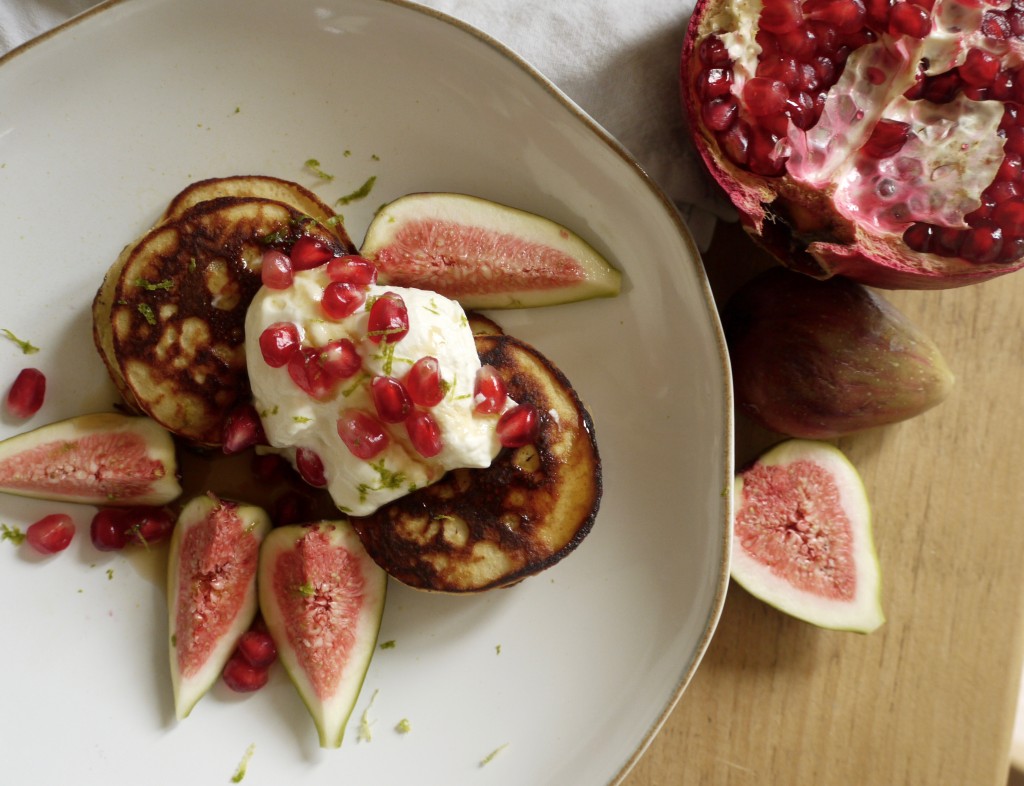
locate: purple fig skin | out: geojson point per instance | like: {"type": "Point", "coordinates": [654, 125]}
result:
{"type": "Point", "coordinates": [822, 359]}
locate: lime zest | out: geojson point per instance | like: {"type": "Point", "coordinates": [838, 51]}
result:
{"type": "Point", "coordinates": [360, 193]}
{"type": "Point", "coordinates": [490, 756]}
{"type": "Point", "coordinates": [365, 724]}
{"type": "Point", "coordinates": [314, 166]}
{"type": "Point", "coordinates": [26, 347]}
{"type": "Point", "coordinates": [243, 765]}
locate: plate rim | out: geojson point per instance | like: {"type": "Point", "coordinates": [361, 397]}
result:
{"type": "Point", "coordinates": [726, 459]}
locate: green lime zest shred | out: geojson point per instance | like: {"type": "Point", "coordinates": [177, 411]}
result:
{"type": "Point", "coordinates": [243, 765]}
{"type": "Point", "coordinates": [360, 193]}
{"type": "Point", "coordinates": [26, 347]}
{"type": "Point", "coordinates": [490, 756]}
{"type": "Point", "coordinates": [314, 166]}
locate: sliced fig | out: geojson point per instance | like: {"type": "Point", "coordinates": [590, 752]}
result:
{"type": "Point", "coordinates": [819, 359]}
{"type": "Point", "coordinates": [802, 537]}
{"type": "Point", "coordinates": [322, 598]}
{"type": "Point", "coordinates": [99, 459]}
{"type": "Point", "coordinates": [211, 583]}
{"type": "Point", "coordinates": [484, 254]}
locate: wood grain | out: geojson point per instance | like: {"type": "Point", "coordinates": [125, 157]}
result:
{"type": "Point", "coordinates": [929, 698]}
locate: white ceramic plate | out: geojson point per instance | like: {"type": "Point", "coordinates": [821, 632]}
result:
{"type": "Point", "coordinates": [569, 674]}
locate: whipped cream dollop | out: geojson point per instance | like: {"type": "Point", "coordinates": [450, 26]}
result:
{"type": "Point", "coordinates": [293, 419]}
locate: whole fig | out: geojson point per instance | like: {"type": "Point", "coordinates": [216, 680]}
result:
{"type": "Point", "coordinates": [820, 359]}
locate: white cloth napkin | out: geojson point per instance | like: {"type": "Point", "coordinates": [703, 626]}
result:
{"type": "Point", "coordinates": [619, 61]}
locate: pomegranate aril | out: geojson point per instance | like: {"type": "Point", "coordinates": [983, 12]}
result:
{"type": "Point", "coordinates": [292, 507]}
{"type": "Point", "coordinates": [276, 270]}
{"type": "Point", "coordinates": [341, 299]}
{"type": "Point", "coordinates": [735, 143]}
{"type": "Point", "coordinates": [362, 433]}
{"type": "Point", "coordinates": [800, 111]}
{"type": "Point", "coordinates": [424, 433]}
{"type": "Point", "coordinates": [982, 245]}
{"type": "Point", "coordinates": [845, 15]}
{"type": "Point", "coordinates": [765, 156]}
{"type": "Point", "coordinates": [715, 82]}
{"type": "Point", "coordinates": [784, 69]}
{"type": "Point", "coordinates": [307, 372]}
{"type": "Point", "coordinates": [979, 68]}
{"type": "Point", "coordinates": [765, 97]}
{"type": "Point", "coordinates": [242, 429]}
{"type": "Point", "coordinates": [1016, 19]}
{"type": "Point", "coordinates": [941, 88]}
{"type": "Point", "coordinates": [780, 16]}
{"type": "Point", "coordinates": [947, 242]}
{"type": "Point", "coordinates": [920, 236]}
{"type": "Point", "coordinates": [909, 20]}
{"type": "Point", "coordinates": [1002, 191]}
{"type": "Point", "coordinates": [489, 391]}
{"type": "Point", "coordinates": [720, 113]}
{"type": "Point", "coordinates": [310, 467]}
{"type": "Point", "coordinates": [712, 52]}
{"type": "Point", "coordinates": [242, 677]}
{"type": "Point", "coordinates": [424, 383]}
{"type": "Point", "coordinates": [51, 533]}
{"type": "Point", "coordinates": [390, 399]}
{"type": "Point", "coordinates": [1014, 140]}
{"type": "Point", "coordinates": [800, 43]}
{"type": "Point", "coordinates": [878, 12]}
{"type": "Point", "coordinates": [310, 252]}
{"type": "Point", "coordinates": [887, 138]}
{"type": "Point", "coordinates": [389, 319]}
{"type": "Point", "coordinates": [1010, 216]}
{"type": "Point", "coordinates": [994, 24]}
{"type": "Point", "coordinates": [339, 359]}
{"type": "Point", "coordinates": [352, 269]}
{"type": "Point", "coordinates": [111, 529]}
{"type": "Point", "coordinates": [27, 393]}
{"type": "Point", "coordinates": [278, 342]}
{"type": "Point", "coordinates": [257, 648]}
{"type": "Point", "coordinates": [518, 426]}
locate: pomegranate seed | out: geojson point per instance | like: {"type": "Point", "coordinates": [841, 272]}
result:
{"type": "Point", "coordinates": [276, 270]}
{"type": "Point", "coordinates": [51, 533]}
{"type": "Point", "coordinates": [1016, 19]}
{"type": "Point", "coordinates": [390, 399]}
{"type": "Point", "coordinates": [424, 383]}
{"type": "Point", "coordinates": [307, 372]}
{"type": "Point", "coordinates": [947, 242]}
{"type": "Point", "coordinates": [909, 20]}
{"type": "Point", "coordinates": [518, 426]}
{"type": "Point", "coordinates": [766, 157]}
{"type": "Point", "coordinates": [1002, 86]}
{"type": "Point", "coordinates": [1010, 216]}
{"type": "Point", "coordinates": [784, 69]}
{"type": "Point", "coordinates": [712, 52]}
{"type": "Point", "coordinates": [310, 252]}
{"type": "Point", "coordinates": [714, 83]}
{"type": "Point", "coordinates": [878, 12]}
{"type": "Point", "coordinates": [764, 96]}
{"type": "Point", "coordinates": [242, 429]}
{"type": "Point", "coordinates": [979, 68]}
{"type": "Point", "coordinates": [920, 236]}
{"type": "Point", "coordinates": [1011, 167]}
{"type": "Point", "coordinates": [424, 433]}
{"type": "Point", "coordinates": [341, 299]}
{"type": "Point", "coordinates": [720, 113]}
{"type": "Point", "coordinates": [942, 88]}
{"type": "Point", "coordinates": [736, 143]}
{"type": "Point", "coordinates": [352, 269]}
{"type": "Point", "coordinates": [887, 138]}
{"type": "Point", "coordinates": [1002, 191]}
{"type": "Point", "coordinates": [827, 37]}
{"type": "Point", "coordinates": [800, 111]}
{"type": "Point", "coordinates": [489, 391]}
{"type": "Point", "coordinates": [340, 359]}
{"type": "Point", "coordinates": [278, 342]}
{"type": "Point", "coordinates": [310, 467]}
{"type": "Point", "coordinates": [27, 393]}
{"type": "Point", "coordinates": [982, 245]}
{"type": "Point", "coordinates": [1014, 140]}
{"type": "Point", "coordinates": [389, 319]}
{"type": "Point", "coordinates": [780, 16]}
{"type": "Point", "coordinates": [846, 15]}
{"type": "Point", "coordinates": [362, 433]}
{"type": "Point", "coordinates": [800, 43]}
{"type": "Point", "coordinates": [112, 529]}
{"type": "Point", "coordinates": [242, 677]}
{"type": "Point", "coordinates": [1013, 249]}
{"type": "Point", "coordinates": [257, 648]}
{"type": "Point", "coordinates": [994, 24]}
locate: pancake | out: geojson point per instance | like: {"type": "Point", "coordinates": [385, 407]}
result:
{"type": "Point", "coordinates": [476, 529]}
{"type": "Point", "coordinates": [169, 318]}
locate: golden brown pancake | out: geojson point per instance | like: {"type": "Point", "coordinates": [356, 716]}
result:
{"type": "Point", "coordinates": [169, 318]}
{"type": "Point", "coordinates": [263, 187]}
{"type": "Point", "coordinates": [476, 529]}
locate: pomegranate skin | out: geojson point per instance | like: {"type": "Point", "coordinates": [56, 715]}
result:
{"type": "Point", "coordinates": [799, 224]}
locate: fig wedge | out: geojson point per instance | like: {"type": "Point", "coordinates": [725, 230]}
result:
{"type": "Point", "coordinates": [211, 587]}
{"type": "Point", "coordinates": [322, 598]}
{"type": "Point", "coordinates": [484, 254]}
{"type": "Point", "coordinates": [99, 459]}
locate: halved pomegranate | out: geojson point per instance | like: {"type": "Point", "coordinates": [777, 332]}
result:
{"type": "Point", "coordinates": [874, 139]}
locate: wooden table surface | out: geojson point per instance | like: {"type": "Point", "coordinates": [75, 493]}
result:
{"type": "Point", "coordinates": [929, 698]}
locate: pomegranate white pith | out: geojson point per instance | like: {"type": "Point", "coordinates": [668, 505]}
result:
{"type": "Point", "coordinates": [867, 138]}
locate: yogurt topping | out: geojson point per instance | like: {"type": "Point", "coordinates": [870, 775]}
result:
{"type": "Point", "coordinates": [293, 419]}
